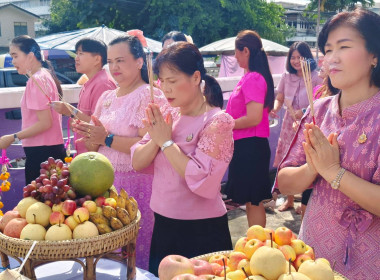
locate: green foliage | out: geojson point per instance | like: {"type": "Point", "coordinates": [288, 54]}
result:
{"type": "Point", "coordinates": [205, 20]}
{"type": "Point", "coordinates": [338, 5]}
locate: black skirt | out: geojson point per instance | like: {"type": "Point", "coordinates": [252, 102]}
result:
{"type": "Point", "coordinates": [248, 175]}
{"type": "Point", "coordinates": [188, 238]}
{"type": "Point", "coordinates": [38, 154]}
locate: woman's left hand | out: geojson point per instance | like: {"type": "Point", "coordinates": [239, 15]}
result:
{"type": "Point", "coordinates": [324, 152]}
{"type": "Point", "coordinates": [159, 129]}
{"type": "Point", "coordinates": [95, 134]}
{"type": "Point", "coordinates": [6, 141]}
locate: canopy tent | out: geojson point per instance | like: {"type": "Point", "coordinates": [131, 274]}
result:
{"type": "Point", "coordinates": [227, 47]}
{"type": "Point", "coordinates": [67, 40]}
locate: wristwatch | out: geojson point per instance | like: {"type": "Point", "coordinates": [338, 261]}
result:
{"type": "Point", "coordinates": [109, 140]}
{"type": "Point", "coordinates": [335, 184]}
{"type": "Point", "coordinates": [16, 139]}
{"type": "Point", "coordinates": [75, 113]}
{"type": "Point", "coordinates": [167, 144]}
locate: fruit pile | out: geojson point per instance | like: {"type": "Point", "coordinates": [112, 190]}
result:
{"type": "Point", "coordinates": [263, 254]}
{"type": "Point", "coordinates": [52, 209]}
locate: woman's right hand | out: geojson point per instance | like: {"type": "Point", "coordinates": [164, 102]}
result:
{"type": "Point", "coordinates": [309, 162]}
{"type": "Point", "coordinates": [60, 107]}
{"type": "Point", "coordinates": [273, 114]}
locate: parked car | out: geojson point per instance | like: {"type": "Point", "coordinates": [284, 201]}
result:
{"type": "Point", "coordinates": [9, 77]}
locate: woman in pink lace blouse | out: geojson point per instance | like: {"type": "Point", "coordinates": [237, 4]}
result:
{"type": "Point", "coordinates": [340, 155]}
{"type": "Point", "coordinates": [190, 155]}
{"type": "Point", "coordinates": [118, 125]}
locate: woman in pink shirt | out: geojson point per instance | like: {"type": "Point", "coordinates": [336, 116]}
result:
{"type": "Point", "coordinates": [252, 99]}
{"type": "Point", "coordinates": [190, 155]}
{"type": "Point", "coordinates": [340, 155]}
{"type": "Point", "coordinates": [41, 131]}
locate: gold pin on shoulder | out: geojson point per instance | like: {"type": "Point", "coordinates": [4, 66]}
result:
{"type": "Point", "coordinates": [189, 137]}
{"type": "Point", "coordinates": [362, 138]}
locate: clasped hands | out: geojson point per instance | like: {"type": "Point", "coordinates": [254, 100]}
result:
{"type": "Point", "coordinates": [94, 134]}
{"type": "Point", "coordinates": [322, 153]}
{"type": "Point", "coordinates": [158, 126]}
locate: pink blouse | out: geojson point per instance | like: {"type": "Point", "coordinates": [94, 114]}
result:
{"type": "Point", "coordinates": [35, 100]}
{"type": "Point", "coordinates": [122, 116]}
{"type": "Point", "coordinates": [251, 87]}
{"type": "Point", "coordinates": [207, 140]}
{"type": "Point", "coordinates": [337, 227]}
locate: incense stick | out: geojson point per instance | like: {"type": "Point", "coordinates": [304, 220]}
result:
{"type": "Point", "coordinates": [149, 62]}
{"type": "Point", "coordinates": [306, 73]}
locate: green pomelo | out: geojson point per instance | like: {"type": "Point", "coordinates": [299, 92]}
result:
{"type": "Point", "coordinates": [91, 173]}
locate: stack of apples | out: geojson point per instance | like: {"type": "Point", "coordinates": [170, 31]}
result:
{"type": "Point", "coordinates": [35, 220]}
{"type": "Point", "coordinates": [264, 254]}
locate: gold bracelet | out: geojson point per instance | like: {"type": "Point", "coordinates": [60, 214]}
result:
{"type": "Point", "coordinates": [335, 184]}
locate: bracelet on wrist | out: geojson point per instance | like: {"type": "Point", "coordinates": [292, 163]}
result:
{"type": "Point", "coordinates": [167, 144]}
{"type": "Point", "coordinates": [335, 184]}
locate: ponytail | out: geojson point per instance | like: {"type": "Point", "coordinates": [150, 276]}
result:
{"type": "Point", "coordinates": [46, 64]}
{"type": "Point", "coordinates": [213, 92]}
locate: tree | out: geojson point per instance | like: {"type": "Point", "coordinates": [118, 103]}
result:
{"type": "Point", "coordinates": [205, 20]}
{"type": "Point", "coordinates": [338, 5]}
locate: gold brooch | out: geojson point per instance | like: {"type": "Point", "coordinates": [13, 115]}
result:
{"type": "Point", "coordinates": [189, 137]}
{"type": "Point", "coordinates": [362, 138]}
{"type": "Point", "coordinates": [107, 103]}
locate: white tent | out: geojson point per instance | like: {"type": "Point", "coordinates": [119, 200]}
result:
{"type": "Point", "coordinates": [227, 47]}
{"type": "Point", "coordinates": [67, 40]}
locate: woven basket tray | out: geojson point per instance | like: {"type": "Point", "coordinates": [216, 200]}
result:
{"type": "Point", "coordinates": [69, 249]}
{"type": "Point", "coordinates": [227, 253]}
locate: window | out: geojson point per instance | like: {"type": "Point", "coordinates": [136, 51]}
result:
{"type": "Point", "coordinates": [21, 28]}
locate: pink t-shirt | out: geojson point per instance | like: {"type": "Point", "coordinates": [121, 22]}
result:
{"type": "Point", "coordinates": [89, 95]}
{"type": "Point", "coordinates": [251, 87]}
{"type": "Point", "coordinates": [207, 140]}
{"type": "Point", "coordinates": [34, 100]}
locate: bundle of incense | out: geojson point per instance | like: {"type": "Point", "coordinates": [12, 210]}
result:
{"type": "Point", "coordinates": [30, 76]}
{"type": "Point", "coordinates": [149, 62]}
{"type": "Point", "coordinates": [306, 73]}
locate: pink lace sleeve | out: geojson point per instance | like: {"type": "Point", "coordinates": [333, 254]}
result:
{"type": "Point", "coordinates": [217, 140]}
{"type": "Point", "coordinates": [99, 104]}
{"type": "Point", "coordinates": [209, 161]}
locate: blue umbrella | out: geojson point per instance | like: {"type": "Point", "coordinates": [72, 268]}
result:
{"type": "Point", "coordinates": [6, 60]}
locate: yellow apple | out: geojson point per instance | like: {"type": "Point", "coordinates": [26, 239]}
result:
{"type": "Point", "coordinates": [218, 258]}
{"type": "Point", "coordinates": [299, 246]}
{"type": "Point", "coordinates": [244, 264]}
{"type": "Point", "coordinates": [300, 259]}
{"type": "Point", "coordinates": [310, 252]}
{"type": "Point", "coordinates": [256, 232]}
{"type": "Point", "coordinates": [251, 246]}
{"type": "Point", "coordinates": [270, 243]}
{"type": "Point", "coordinates": [228, 269]}
{"type": "Point", "coordinates": [239, 246]}
{"type": "Point", "coordinates": [288, 252]}
{"type": "Point", "coordinates": [236, 275]}
{"type": "Point", "coordinates": [268, 232]}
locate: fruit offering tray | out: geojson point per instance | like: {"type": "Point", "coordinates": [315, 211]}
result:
{"type": "Point", "coordinates": [206, 257]}
{"type": "Point", "coordinates": [91, 249]}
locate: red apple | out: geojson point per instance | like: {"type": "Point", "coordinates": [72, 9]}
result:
{"type": "Point", "coordinates": [288, 252]}
{"type": "Point", "coordinates": [110, 202]}
{"type": "Point", "coordinates": [251, 246]}
{"type": "Point", "coordinates": [100, 201]}
{"type": "Point", "coordinates": [174, 265]}
{"type": "Point", "coordinates": [56, 218]}
{"type": "Point", "coordinates": [218, 258]}
{"type": "Point", "coordinates": [81, 215]}
{"type": "Point", "coordinates": [14, 227]}
{"type": "Point", "coordinates": [70, 221]}
{"type": "Point", "coordinates": [68, 207]}
{"type": "Point", "coordinates": [283, 236]}
{"type": "Point", "coordinates": [310, 252]}
{"type": "Point", "coordinates": [300, 260]}
{"type": "Point", "coordinates": [202, 267]}
{"type": "Point", "coordinates": [235, 258]}
{"type": "Point", "coordinates": [216, 268]}
{"type": "Point", "coordinates": [239, 246]}
{"type": "Point", "coordinates": [8, 216]}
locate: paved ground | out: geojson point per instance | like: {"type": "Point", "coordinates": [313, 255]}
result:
{"type": "Point", "coordinates": [237, 221]}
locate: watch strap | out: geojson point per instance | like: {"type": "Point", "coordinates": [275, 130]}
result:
{"type": "Point", "coordinates": [167, 144]}
{"type": "Point", "coordinates": [16, 139]}
{"type": "Point", "coordinates": [109, 140]}
{"type": "Point", "coordinates": [335, 184]}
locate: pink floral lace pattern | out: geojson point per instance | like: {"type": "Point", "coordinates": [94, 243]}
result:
{"type": "Point", "coordinates": [325, 223]}
{"type": "Point", "coordinates": [122, 116]}
{"type": "Point", "coordinates": [214, 141]}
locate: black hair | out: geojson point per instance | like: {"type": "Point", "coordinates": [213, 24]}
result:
{"type": "Point", "coordinates": [176, 36]}
{"type": "Point", "coordinates": [258, 61]}
{"type": "Point", "coordinates": [27, 45]}
{"type": "Point", "coordinates": [367, 23]}
{"type": "Point", "coordinates": [305, 52]}
{"type": "Point", "coordinates": [136, 49]}
{"type": "Point", "coordinates": [94, 46]}
{"type": "Point", "coordinates": [186, 58]}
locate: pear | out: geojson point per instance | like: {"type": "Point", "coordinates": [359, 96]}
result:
{"type": "Point", "coordinates": [59, 232]}
{"type": "Point", "coordinates": [268, 262]}
{"type": "Point", "coordinates": [24, 204]}
{"type": "Point", "coordinates": [255, 277]}
{"type": "Point", "coordinates": [84, 230]}
{"type": "Point", "coordinates": [33, 232]}
{"type": "Point", "coordinates": [38, 213]}
{"type": "Point", "coordinates": [293, 276]}
{"type": "Point", "coordinates": [316, 270]}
